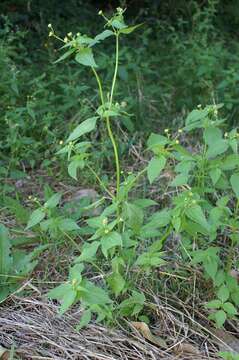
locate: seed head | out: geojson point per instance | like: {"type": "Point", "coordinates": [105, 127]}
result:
{"type": "Point", "coordinates": [100, 12]}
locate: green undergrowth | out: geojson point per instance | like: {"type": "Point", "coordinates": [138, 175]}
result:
{"type": "Point", "coordinates": [125, 242]}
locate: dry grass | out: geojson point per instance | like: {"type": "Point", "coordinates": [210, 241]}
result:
{"type": "Point", "coordinates": [35, 329]}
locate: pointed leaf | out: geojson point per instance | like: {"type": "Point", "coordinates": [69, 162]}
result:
{"type": "Point", "coordinates": [155, 167]}
{"type": "Point", "coordinates": [36, 217]}
{"type": "Point", "coordinates": [82, 129]}
{"type": "Point", "coordinates": [110, 241]}
{"type": "Point", "coordinates": [234, 180]}
{"type": "Point", "coordinates": [5, 247]}
{"type": "Point", "coordinates": [85, 57]}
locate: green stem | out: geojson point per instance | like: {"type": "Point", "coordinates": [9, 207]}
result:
{"type": "Point", "coordinates": [100, 86]}
{"type": "Point", "coordinates": [229, 261]}
{"type": "Point", "coordinates": [100, 182]}
{"type": "Point", "coordinates": [116, 68]}
{"type": "Point", "coordinates": [117, 163]}
{"type": "Point", "coordinates": [111, 136]}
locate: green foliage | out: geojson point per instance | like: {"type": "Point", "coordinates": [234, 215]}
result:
{"type": "Point", "coordinates": [15, 264]}
{"type": "Point", "coordinates": [124, 236]}
{"type": "Point", "coordinates": [198, 212]}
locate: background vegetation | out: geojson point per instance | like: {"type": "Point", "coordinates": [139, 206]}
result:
{"type": "Point", "coordinates": [184, 56]}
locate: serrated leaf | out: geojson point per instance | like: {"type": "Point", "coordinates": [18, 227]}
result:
{"type": "Point", "coordinates": [102, 36]}
{"type": "Point", "coordinates": [129, 29]}
{"type": "Point", "coordinates": [212, 135]}
{"type": "Point", "coordinates": [110, 241]}
{"type": "Point", "coordinates": [85, 57]}
{"type": "Point", "coordinates": [214, 304]}
{"type": "Point", "coordinates": [220, 318]}
{"type": "Point", "coordinates": [234, 180]}
{"type": "Point", "coordinates": [217, 148]}
{"type": "Point", "coordinates": [180, 180]}
{"type": "Point", "coordinates": [211, 267]}
{"type": "Point", "coordinates": [223, 293]}
{"type": "Point", "coordinates": [116, 282]}
{"type": "Point", "coordinates": [89, 251]}
{"type": "Point", "coordinates": [36, 217]}
{"type": "Point", "coordinates": [85, 127]}
{"type": "Point", "coordinates": [65, 55]}
{"type": "Point", "coordinates": [5, 251]}
{"type": "Point", "coordinates": [230, 309]}
{"type": "Point", "coordinates": [134, 215]}
{"type": "Point", "coordinates": [53, 201]}
{"type": "Point", "coordinates": [196, 214]}
{"type": "Point", "coordinates": [215, 175]}
{"type": "Point", "coordinates": [84, 321]}
{"type": "Point", "coordinates": [155, 166]}
{"type": "Point", "coordinates": [67, 301]}
{"type": "Point", "coordinates": [73, 167]}
{"type": "Point", "coordinates": [144, 203]}
{"type": "Point", "coordinates": [68, 225]}
{"type": "Point", "coordinates": [156, 139]}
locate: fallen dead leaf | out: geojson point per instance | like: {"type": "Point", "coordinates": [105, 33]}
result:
{"type": "Point", "coordinates": [186, 348]}
{"type": "Point", "coordinates": [144, 330]}
{"type": "Point", "coordinates": [4, 355]}
{"type": "Point", "coordinates": [230, 341]}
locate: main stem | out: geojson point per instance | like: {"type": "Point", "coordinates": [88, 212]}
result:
{"type": "Point", "coordinates": [111, 136]}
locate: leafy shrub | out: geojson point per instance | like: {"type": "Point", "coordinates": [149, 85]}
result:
{"type": "Point", "coordinates": [128, 240]}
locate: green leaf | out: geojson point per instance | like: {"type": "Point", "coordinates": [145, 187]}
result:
{"type": "Point", "coordinates": [116, 283]}
{"type": "Point", "coordinates": [196, 214]}
{"type": "Point", "coordinates": [75, 272]}
{"type": "Point", "coordinates": [110, 241]}
{"type": "Point", "coordinates": [212, 135]}
{"type": "Point", "coordinates": [230, 162]}
{"type": "Point", "coordinates": [150, 259]}
{"type": "Point", "coordinates": [5, 248]}
{"type": "Point", "coordinates": [118, 23]}
{"type": "Point", "coordinates": [102, 36]}
{"type": "Point", "coordinates": [155, 167]}
{"type": "Point", "coordinates": [65, 55]}
{"type": "Point", "coordinates": [68, 225]}
{"type": "Point", "coordinates": [89, 251]}
{"type": "Point", "coordinates": [194, 119]}
{"type": "Point", "coordinates": [68, 300]}
{"type": "Point", "coordinates": [230, 309]}
{"type": "Point", "coordinates": [84, 321]}
{"type": "Point", "coordinates": [59, 292]}
{"type": "Point", "coordinates": [211, 266]}
{"type": "Point", "coordinates": [215, 175]}
{"type": "Point", "coordinates": [134, 215]}
{"type": "Point", "coordinates": [158, 219]}
{"type": "Point", "coordinates": [156, 139]}
{"type": "Point", "coordinates": [223, 293]}
{"type": "Point", "coordinates": [36, 217]}
{"type": "Point", "coordinates": [220, 318]}
{"type": "Point", "coordinates": [179, 180]}
{"type": "Point", "coordinates": [85, 57]}
{"type": "Point", "coordinates": [234, 180]}
{"type": "Point", "coordinates": [82, 129]}
{"type": "Point", "coordinates": [53, 201]}
{"type": "Point", "coordinates": [95, 295]}
{"type": "Point", "coordinates": [74, 165]}
{"type": "Point", "coordinates": [214, 304]}
{"type": "Point", "coordinates": [217, 148]}
{"type": "Point", "coordinates": [129, 29]}
{"type": "Point", "coordinates": [144, 203]}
